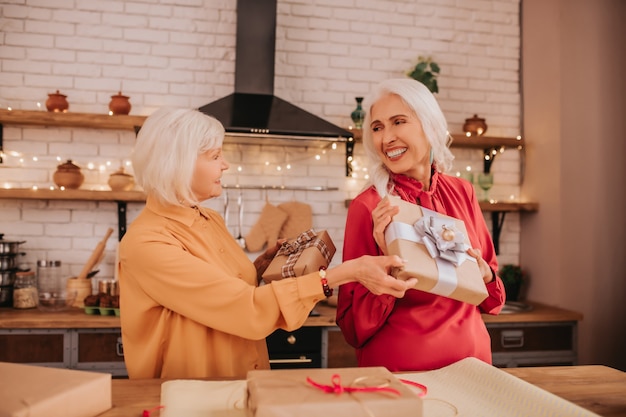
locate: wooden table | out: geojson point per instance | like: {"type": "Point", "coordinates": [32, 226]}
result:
{"type": "Point", "coordinates": [597, 388]}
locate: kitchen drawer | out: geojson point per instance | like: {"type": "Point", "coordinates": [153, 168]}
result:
{"type": "Point", "coordinates": [533, 344]}
{"type": "Point", "coordinates": [99, 350]}
{"type": "Point", "coordinates": [531, 338]}
{"type": "Point", "coordinates": [303, 340]}
{"type": "Point", "coordinates": [100, 347]}
{"type": "Point", "coordinates": [295, 360]}
{"type": "Point", "coordinates": [45, 347]}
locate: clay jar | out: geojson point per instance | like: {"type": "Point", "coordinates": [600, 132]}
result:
{"type": "Point", "coordinates": [475, 126]}
{"type": "Point", "coordinates": [119, 104]}
{"type": "Point", "coordinates": [57, 102]}
{"type": "Point", "coordinates": [68, 175]}
{"type": "Point", "coordinates": [121, 181]}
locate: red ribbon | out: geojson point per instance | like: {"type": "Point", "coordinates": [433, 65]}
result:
{"type": "Point", "coordinates": [337, 388]}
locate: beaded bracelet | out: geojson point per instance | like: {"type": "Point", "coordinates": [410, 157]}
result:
{"type": "Point", "coordinates": [328, 292]}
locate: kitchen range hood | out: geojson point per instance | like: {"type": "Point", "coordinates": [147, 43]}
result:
{"type": "Point", "coordinates": [253, 114]}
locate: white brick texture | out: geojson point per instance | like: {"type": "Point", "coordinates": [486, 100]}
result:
{"type": "Point", "coordinates": [181, 53]}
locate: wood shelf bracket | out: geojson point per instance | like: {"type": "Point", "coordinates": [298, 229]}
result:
{"type": "Point", "coordinates": [497, 221]}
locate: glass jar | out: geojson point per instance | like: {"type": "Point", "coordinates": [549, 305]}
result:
{"type": "Point", "coordinates": [52, 286]}
{"type": "Point", "coordinates": [25, 294]}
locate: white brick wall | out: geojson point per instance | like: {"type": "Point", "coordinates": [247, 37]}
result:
{"type": "Point", "coordinates": [181, 53]}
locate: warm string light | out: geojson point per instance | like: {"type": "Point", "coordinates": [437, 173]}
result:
{"type": "Point", "coordinates": [288, 163]}
{"type": "Point", "coordinates": [101, 169]}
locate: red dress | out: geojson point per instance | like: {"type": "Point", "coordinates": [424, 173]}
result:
{"type": "Point", "coordinates": [420, 331]}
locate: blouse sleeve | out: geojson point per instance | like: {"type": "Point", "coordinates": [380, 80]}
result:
{"type": "Point", "coordinates": [159, 275]}
{"type": "Point", "coordinates": [360, 314]}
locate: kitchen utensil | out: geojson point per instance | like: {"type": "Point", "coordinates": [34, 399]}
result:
{"type": "Point", "coordinates": [240, 239]}
{"type": "Point", "coordinates": [7, 277]}
{"type": "Point", "coordinates": [95, 256]}
{"type": "Point", "coordinates": [8, 247]}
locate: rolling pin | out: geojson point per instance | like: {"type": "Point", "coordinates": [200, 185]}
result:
{"type": "Point", "coordinates": [95, 255]}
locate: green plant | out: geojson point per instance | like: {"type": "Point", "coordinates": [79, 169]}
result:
{"type": "Point", "coordinates": [513, 277]}
{"type": "Point", "coordinates": [426, 71]}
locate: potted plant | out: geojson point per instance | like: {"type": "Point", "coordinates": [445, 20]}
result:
{"type": "Point", "coordinates": [426, 71]}
{"type": "Point", "coordinates": [513, 277]}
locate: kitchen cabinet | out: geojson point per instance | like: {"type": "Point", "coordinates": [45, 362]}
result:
{"type": "Point", "coordinates": [543, 335]}
{"type": "Point", "coordinates": [86, 349]}
{"type": "Point", "coordinates": [65, 339]}
{"type": "Point", "coordinates": [301, 348]}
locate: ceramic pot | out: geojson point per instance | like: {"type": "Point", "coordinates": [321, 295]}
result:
{"type": "Point", "coordinates": [119, 104]}
{"type": "Point", "coordinates": [121, 181]}
{"type": "Point", "coordinates": [475, 126]}
{"type": "Point", "coordinates": [57, 102]}
{"type": "Point", "coordinates": [68, 175]}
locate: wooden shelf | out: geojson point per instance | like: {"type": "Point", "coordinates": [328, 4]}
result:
{"type": "Point", "coordinates": [462, 141]}
{"type": "Point", "coordinates": [508, 207]}
{"type": "Point", "coordinates": [69, 119]}
{"type": "Point", "coordinates": [77, 195]}
{"type": "Point", "coordinates": [484, 142]}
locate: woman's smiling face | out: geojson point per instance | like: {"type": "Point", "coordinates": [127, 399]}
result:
{"type": "Point", "coordinates": [399, 138]}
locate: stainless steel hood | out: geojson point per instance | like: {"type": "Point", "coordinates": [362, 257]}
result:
{"type": "Point", "coordinates": [253, 113]}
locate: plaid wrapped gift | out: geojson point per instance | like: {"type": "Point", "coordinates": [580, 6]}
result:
{"type": "Point", "coordinates": [300, 256]}
{"type": "Point", "coordinates": [434, 246]}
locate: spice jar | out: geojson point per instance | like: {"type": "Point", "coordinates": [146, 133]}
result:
{"type": "Point", "coordinates": [25, 294]}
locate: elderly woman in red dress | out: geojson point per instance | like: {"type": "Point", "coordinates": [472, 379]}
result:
{"type": "Point", "coordinates": [405, 137]}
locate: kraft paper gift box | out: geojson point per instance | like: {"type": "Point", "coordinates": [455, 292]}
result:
{"type": "Point", "coordinates": [300, 256]}
{"type": "Point", "coordinates": [434, 246]}
{"type": "Point", "coordinates": [37, 391]}
{"type": "Point", "coordinates": [367, 391]}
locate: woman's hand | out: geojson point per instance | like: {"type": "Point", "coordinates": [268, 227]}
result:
{"type": "Point", "coordinates": [381, 216]}
{"type": "Point", "coordinates": [373, 273]}
{"type": "Point", "coordinates": [263, 261]}
{"type": "Point", "coordinates": [485, 270]}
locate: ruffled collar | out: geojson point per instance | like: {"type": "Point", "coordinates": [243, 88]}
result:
{"type": "Point", "coordinates": [409, 189]}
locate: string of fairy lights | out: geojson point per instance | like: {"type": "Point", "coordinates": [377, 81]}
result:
{"type": "Point", "coordinates": [97, 170]}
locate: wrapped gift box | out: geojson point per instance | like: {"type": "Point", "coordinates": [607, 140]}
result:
{"type": "Point", "coordinates": [434, 247]}
{"type": "Point", "coordinates": [367, 391]}
{"type": "Point", "coordinates": [300, 256]}
{"type": "Point", "coordinates": [37, 391]}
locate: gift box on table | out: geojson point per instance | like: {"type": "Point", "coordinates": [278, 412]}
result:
{"type": "Point", "coordinates": [300, 256]}
{"type": "Point", "coordinates": [434, 246]}
{"type": "Point", "coordinates": [354, 392]}
{"type": "Point", "coordinates": [37, 391]}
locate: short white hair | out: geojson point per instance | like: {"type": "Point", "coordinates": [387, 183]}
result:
{"type": "Point", "coordinates": [423, 103]}
{"type": "Point", "coordinates": [167, 147]}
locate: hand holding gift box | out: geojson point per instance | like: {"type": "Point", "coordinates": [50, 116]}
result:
{"type": "Point", "coordinates": [434, 246]}
{"type": "Point", "coordinates": [300, 256]}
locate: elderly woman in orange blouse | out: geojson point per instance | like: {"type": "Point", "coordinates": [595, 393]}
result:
{"type": "Point", "coordinates": [189, 300]}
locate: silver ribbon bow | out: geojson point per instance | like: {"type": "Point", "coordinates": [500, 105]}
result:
{"type": "Point", "coordinates": [441, 238]}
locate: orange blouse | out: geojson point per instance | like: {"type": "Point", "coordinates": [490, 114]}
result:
{"type": "Point", "coordinates": [189, 302]}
